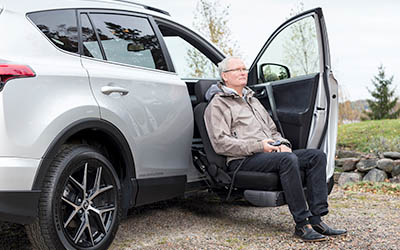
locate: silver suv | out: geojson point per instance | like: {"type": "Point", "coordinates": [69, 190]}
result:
{"type": "Point", "coordinates": [96, 110]}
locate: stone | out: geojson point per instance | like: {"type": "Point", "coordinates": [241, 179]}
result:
{"type": "Point", "coordinates": [349, 164]}
{"type": "Point", "coordinates": [336, 176]}
{"type": "Point", "coordinates": [365, 165]}
{"type": "Point", "coordinates": [392, 155]}
{"type": "Point", "coordinates": [348, 154]}
{"type": "Point", "coordinates": [339, 162]}
{"type": "Point", "coordinates": [349, 177]}
{"type": "Point", "coordinates": [396, 170]}
{"type": "Point", "coordinates": [385, 165]}
{"type": "Point", "coordinates": [395, 179]}
{"type": "Point", "coordinates": [375, 175]}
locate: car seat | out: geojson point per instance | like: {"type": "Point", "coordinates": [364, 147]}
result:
{"type": "Point", "coordinates": [259, 189]}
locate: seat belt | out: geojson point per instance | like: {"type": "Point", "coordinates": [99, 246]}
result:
{"type": "Point", "coordinates": [272, 104]}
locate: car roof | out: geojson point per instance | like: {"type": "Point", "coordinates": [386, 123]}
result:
{"type": "Point", "coordinates": [25, 6]}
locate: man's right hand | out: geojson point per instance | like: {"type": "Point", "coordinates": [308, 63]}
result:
{"type": "Point", "coordinates": [268, 147]}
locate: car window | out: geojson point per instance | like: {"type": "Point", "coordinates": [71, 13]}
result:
{"type": "Point", "coordinates": [188, 61]}
{"type": "Point", "coordinates": [129, 40]}
{"type": "Point", "coordinates": [295, 48]}
{"type": "Point", "coordinates": [90, 44]}
{"type": "Point", "coordinates": [60, 26]}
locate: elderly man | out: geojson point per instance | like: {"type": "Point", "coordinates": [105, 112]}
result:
{"type": "Point", "coordinates": [240, 128]}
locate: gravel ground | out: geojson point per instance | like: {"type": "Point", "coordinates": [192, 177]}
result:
{"type": "Point", "coordinates": [202, 222]}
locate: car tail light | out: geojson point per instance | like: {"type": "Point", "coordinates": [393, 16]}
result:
{"type": "Point", "coordinates": [11, 71]}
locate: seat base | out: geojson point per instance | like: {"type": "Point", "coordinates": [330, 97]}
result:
{"type": "Point", "coordinates": [261, 198]}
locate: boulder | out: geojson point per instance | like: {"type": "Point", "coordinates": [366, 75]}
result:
{"type": "Point", "coordinates": [349, 177]}
{"type": "Point", "coordinates": [375, 175]}
{"type": "Point", "coordinates": [347, 154]}
{"type": "Point", "coordinates": [395, 179]}
{"type": "Point", "coordinates": [349, 164]}
{"type": "Point", "coordinates": [385, 165]}
{"type": "Point", "coordinates": [392, 155]}
{"type": "Point", "coordinates": [396, 170]}
{"type": "Point", "coordinates": [365, 165]}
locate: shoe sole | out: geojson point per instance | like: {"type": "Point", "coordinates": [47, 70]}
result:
{"type": "Point", "coordinates": [316, 240]}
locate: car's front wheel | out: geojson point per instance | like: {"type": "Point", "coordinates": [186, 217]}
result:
{"type": "Point", "coordinates": [79, 207]}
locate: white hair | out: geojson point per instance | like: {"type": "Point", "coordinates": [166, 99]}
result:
{"type": "Point", "coordinates": [223, 65]}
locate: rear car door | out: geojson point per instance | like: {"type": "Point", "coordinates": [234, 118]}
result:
{"type": "Point", "coordinates": [292, 78]}
{"type": "Point", "coordinates": [136, 92]}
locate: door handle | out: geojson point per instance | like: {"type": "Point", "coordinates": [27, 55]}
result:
{"type": "Point", "coordinates": [107, 90]}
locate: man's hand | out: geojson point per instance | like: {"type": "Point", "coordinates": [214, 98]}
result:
{"type": "Point", "coordinates": [284, 148]}
{"type": "Point", "coordinates": [268, 147]}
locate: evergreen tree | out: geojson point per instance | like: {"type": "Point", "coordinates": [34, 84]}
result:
{"type": "Point", "coordinates": [384, 102]}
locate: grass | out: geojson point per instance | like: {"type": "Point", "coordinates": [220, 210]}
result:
{"type": "Point", "coordinates": [374, 187]}
{"type": "Point", "coordinates": [370, 136]}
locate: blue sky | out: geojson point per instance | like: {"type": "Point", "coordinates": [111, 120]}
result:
{"type": "Point", "coordinates": [362, 34]}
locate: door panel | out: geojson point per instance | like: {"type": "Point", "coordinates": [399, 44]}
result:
{"type": "Point", "coordinates": [294, 99]}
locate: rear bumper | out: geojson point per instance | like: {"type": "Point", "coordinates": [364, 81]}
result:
{"type": "Point", "coordinates": [19, 206]}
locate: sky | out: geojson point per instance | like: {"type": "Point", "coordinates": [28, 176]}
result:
{"type": "Point", "coordinates": [362, 34]}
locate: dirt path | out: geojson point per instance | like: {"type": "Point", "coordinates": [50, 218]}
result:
{"type": "Point", "coordinates": [202, 222]}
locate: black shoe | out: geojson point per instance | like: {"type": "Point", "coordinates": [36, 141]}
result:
{"type": "Point", "coordinates": [324, 229]}
{"type": "Point", "coordinates": [307, 233]}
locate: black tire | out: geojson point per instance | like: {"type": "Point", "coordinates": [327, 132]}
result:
{"type": "Point", "coordinates": [79, 207]}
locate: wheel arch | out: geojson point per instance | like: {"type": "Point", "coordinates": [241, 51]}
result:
{"type": "Point", "coordinates": [102, 135]}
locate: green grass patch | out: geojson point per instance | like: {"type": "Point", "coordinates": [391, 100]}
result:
{"type": "Point", "coordinates": [370, 136]}
{"type": "Point", "coordinates": [373, 187]}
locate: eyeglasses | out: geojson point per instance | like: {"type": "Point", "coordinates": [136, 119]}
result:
{"type": "Point", "coordinates": [237, 70]}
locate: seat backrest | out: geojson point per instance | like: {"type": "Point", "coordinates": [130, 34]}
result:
{"type": "Point", "coordinates": [200, 90]}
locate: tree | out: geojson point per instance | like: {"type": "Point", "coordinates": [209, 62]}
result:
{"type": "Point", "coordinates": [384, 102]}
{"type": "Point", "coordinates": [211, 20]}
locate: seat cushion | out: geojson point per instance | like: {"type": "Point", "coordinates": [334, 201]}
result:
{"type": "Point", "coordinates": [259, 181]}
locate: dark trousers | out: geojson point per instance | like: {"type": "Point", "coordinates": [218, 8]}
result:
{"type": "Point", "coordinates": [288, 166]}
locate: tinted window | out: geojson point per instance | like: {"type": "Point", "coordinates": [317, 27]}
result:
{"type": "Point", "coordinates": [91, 46]}
{"type": "Point", "coordinates": [129, 40]}
{"type": "Point", "coordinates": [60, 26]}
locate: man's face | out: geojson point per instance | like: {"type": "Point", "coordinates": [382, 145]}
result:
{"type": "Point", "coordinates": [236, 74]}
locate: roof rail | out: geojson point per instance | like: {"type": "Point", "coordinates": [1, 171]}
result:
{"type": "Point", "coordinates": [144, 6]}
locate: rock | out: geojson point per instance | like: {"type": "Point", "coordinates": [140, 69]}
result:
{"type": "Point", "coordinates": [365, 165]}
{"type": "Point", "coordinates": [375, 175]}
{"type": "Point", "coordinates": [392, 155]}
{"type": "Point", "coordinates": [336, 176]}
{"type": "Point", "coordinates": [395, 179]}
{"type": "Point", "coordinates": [349, 164]}
{"type": "Point", "coordinates": [386, 165]}
{"type": "Point", "coordinates": [349, 177]}
{"type": "Point", "coordinates": [396, 169]}
{"type": "Point", "coordinates": [348, 154]}
{"type": "Point", "coordinates": [339, 162]}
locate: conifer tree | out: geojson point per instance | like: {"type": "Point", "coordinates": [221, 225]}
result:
{"type": "Point", "coordinates": [383, 104]}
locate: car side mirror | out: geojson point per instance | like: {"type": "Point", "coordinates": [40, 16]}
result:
{"type": "Point", "coordinates": [135, 47]}
{"type": "Point", "coordinates": [270, 72]}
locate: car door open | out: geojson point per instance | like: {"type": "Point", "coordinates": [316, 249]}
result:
{"type": "Point", "coordinates": [292, 78]}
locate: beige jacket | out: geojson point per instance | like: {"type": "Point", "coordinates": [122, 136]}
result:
{"type": "Point", "coordinates": [236, 126]}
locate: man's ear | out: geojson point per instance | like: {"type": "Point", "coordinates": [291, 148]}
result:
{"type": "Point", "coordinates": [223, 76]}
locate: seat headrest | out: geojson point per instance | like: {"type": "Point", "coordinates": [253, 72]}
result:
{"type": "Point", "coordinates": [201, 87]}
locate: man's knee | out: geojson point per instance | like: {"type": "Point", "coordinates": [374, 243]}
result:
{"type": "Point", "coordinates": [318, 156]}
{"type": "Point", "coordinates": [289, 160]}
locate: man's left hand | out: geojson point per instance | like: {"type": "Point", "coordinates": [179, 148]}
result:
{"type": "Point", "coordinates": [284, 148]}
